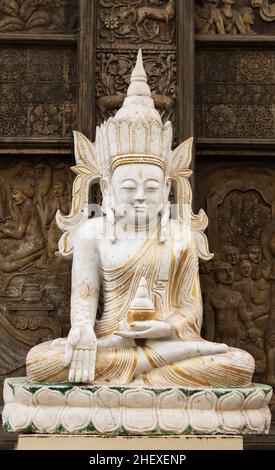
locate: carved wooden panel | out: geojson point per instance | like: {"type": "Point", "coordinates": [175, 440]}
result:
{"type": "Point", "coordinates": [113, 77]}
{"type": "Point", "coordinates": [234, 17]}
{"type": "Point", "coordinates": [235, 93]}
{"type": "Point", "coordinates": [37, 91]}
{"type": "Point", "coordinates": [34, 283]}
{"type": "Point", "coordinates": [122, 27]}
{"type": "Point", "coordinates": [38, 16]}
{"type": "Point", "coordinates": [238, 284]}
{"type": "Point", "coordinates": [136, 21]}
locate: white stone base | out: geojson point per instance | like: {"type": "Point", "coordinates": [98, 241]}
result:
{"type": "Point", "coordinates": [33, 408]}
{"type": "Point", "coordinates": [129, 443]}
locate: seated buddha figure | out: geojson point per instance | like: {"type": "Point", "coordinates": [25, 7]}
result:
{"type": "Point", "coordinates": [141, 259]}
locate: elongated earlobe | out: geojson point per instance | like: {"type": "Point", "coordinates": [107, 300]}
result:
{"type": "Point", "coordinates": [108, 210]}
{"type": "Point", "coordinates": [164, 224]}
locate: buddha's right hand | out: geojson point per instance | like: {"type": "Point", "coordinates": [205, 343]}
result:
{"type": "Point", "coordinates": [80, 354]}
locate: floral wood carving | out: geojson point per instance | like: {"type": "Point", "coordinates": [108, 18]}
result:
{"type": "Point", "coordinates": [235, 93]}
{"type": "Point", "coordinates": [37, 92]}
{"type": "Point", "coordinates": [37, 15]}
{"type": "Point", "coordinates": [113, 77]}
{"type": "Point", "coordinates": [267, 9]}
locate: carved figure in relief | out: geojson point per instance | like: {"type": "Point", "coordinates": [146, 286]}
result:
{"type": "Point", "coordinates": [261, 298]}
{"type": "Point", "coordinates": [57, 199]}
{"type": "Point", "coordinates": [219, 17]}
{"type": "Point", "coordinates": [208, 19]}
{"type": "Point", "coordinates": [255, 255]}
{"type": "Point", "coordinates": [231, 255]}
{"type": "Point", "coordinates": [164, 13]}
{"type": "Point", "coordinates": [144, 261]}
{"type": "Point", "coordinates": [248, 18]}
{"type": "Point", "coordinates": [245, 284]}
{"type": "Point", "coordinates": [226, 310]}
{"type": "Point", "coordinates": [270, 328]}
{"type": "Point", "coordinates": [232, 19]}
{"type": "Point", "coordinates": [22, 237]}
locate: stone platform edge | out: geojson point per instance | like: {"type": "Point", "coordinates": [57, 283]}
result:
{"type": "Point", "coordinates": [33, 408]}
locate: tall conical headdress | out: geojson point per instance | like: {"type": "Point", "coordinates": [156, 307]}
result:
{"type": "Point", "coordinates": [136, 133]}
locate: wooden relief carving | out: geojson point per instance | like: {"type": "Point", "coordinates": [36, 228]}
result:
{"type": "Point", "coordinates": [149, 24]}
{"type": "Point", "coordinates": [235, 93]}
{"type": "Point", "coordinates": [136, 21]}
{"type": "Point", "coordinates": [267, 9]}
{"type": "Point", "coordinates": [37, 92]}
{"type": "Point", "coordinates": [234, 17]}
{"type": "Point", "coordinates": [34, 283]}
{"type": "Point", "coordinates": [223, 17]}
{"type": "Point", "coordinates": [238, 283]}
{"type": "Point", "coordinates": [38, 15]}
{"type": "Point", "coordinates": [113, 77]}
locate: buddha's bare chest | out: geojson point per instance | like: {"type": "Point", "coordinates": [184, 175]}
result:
{"type": "Point", "coordinates": [114, 255]}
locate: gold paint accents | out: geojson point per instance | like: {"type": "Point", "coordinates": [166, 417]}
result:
{"type": "Point", "coordinates": [141, 315]}
{"type": "Point", "coordinates": [137, 158]}
{"type": "Point", "coordinates": [87, 291]}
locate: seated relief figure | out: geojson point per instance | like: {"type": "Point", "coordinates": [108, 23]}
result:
{"type": "Point", "coordinates": [142, 259]}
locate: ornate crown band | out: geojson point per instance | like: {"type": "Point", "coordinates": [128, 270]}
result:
{"type": "Point", "coordinates": [137, 158]}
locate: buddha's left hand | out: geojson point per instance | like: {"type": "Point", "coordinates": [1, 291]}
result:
{"type": "Point", "coordinates": [152, 329]}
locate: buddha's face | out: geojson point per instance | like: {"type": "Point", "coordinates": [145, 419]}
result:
{"type": "Point", "coordinates": [255, 254]}
{"type": "Point", "coordinates": [246, 268]}
{"type": "Point", "coordinates": [139, 192]}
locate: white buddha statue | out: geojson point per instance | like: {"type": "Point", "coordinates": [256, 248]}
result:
{"type": "Point", "coordinates": [144, 262]}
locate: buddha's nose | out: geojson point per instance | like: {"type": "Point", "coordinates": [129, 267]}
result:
{"type": "Point", "coordinates": [140, 194]}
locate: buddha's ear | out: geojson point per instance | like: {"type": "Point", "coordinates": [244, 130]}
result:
{"type": "Point", "coordinates": [107, 194]}
{"type": "Point", "coordinates": [105, 186]}
{"type": "Point", "coordinates": [168, 183]}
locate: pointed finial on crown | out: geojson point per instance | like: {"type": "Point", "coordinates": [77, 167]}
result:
{"type": "Point", "coordinates": [139, 101]}
{"type": "Point", "coordinates": [139, 85]}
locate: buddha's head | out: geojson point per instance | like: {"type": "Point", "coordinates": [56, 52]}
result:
{"type": "Point", "coordinates": [135, 147]}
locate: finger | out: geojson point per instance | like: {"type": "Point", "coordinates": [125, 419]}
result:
{"type": "Point", "coordinates": [124, 325]}
{"type": "Point", "coordinates": [86, 365]}
{"type": "Point", "coordinates": [73, 367]}
{"type": "Point", "coordinates": [67, 356]}
{"type": "Point", "coordinates": [92, 366]}
{"type": "Point", "coordinates": [139, 326]}
{"type": "Point", "coordinates": [79, 367]}
{"type": "Point", "coordinates": [127, 334]}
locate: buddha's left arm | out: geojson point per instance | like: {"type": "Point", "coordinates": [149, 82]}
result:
{"type": "Point", "coordinates": [186, 295]}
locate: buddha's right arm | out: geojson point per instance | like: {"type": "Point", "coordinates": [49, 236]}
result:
{"type": "Point", "coordinates": [85, 282]}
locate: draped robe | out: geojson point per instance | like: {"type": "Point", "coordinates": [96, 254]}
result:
{"type": "Point", "coordinates": [171, 271]}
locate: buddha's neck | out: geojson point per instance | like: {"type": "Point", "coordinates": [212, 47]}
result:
{"type": "Point", "coordinates": [125, 227]}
